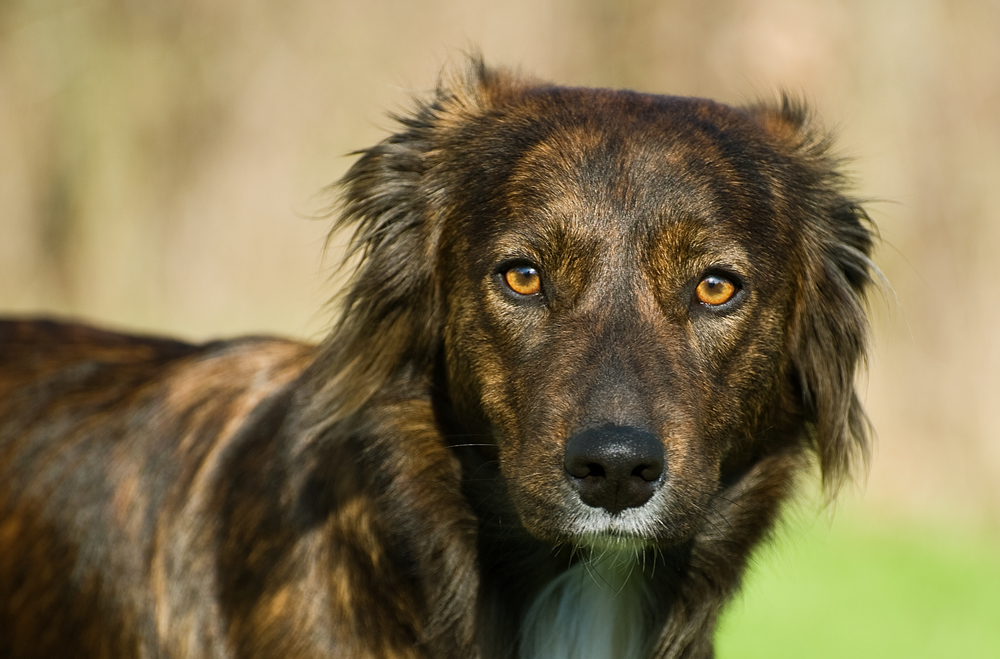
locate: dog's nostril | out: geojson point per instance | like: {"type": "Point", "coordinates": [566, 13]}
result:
{"type": "Point", "coordinates": [614, 467]}
{"type": "Point", "coordinates": [584, 469]}
{"type": "Point", "coordinates": [649, 471]}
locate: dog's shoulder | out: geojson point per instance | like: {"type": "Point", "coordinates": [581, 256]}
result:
{"type": "Point", "coordinates": [60, 381]}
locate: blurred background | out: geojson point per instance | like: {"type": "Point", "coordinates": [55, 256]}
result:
{"type": "Point", "coordinates": [163, 164]}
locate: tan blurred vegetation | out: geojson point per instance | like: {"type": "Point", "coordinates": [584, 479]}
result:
{"type": "Point", "coordinates": [160, 161]}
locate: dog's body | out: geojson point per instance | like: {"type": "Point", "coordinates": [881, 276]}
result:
{"type": "Point", "coordinates": [592, 339]}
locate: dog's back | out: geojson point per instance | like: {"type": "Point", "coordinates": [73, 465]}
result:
{"type": "Point", "coordinates": [108, 446]}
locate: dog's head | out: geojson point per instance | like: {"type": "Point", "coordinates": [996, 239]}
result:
{"type": "Point", "coordinates": [635, 296]}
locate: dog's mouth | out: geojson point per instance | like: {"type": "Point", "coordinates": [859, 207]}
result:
{"type": "Point", "coordinates": [662, 521]}
{"type": "Point", "coordinates": [631, 529]}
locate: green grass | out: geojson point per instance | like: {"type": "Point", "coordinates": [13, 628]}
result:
{"type": "Point", "coordinates": [860, 589]}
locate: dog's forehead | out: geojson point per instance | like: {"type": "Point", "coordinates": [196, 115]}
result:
{"type": "Point", "coordinates": [629, 163]}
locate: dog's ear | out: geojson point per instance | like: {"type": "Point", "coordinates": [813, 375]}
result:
{"type": "Point", "coordinates": [395, 199]}
{"type": "Point", "coordinates": [829, 332]}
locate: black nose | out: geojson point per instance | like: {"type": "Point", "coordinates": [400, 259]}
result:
{"type": "Point", "coordinates": [614, 467]}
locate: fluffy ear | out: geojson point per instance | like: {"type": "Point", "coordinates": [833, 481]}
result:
{"type": "Point", "coordinates": [829, 333]}
{"type": "Point", "coordinates": [394, 199]}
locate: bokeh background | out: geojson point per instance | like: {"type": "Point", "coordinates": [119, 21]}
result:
{"type": "Point", "coordinates": [163, 165]}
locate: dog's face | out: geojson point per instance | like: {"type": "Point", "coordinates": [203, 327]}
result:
{"type": "Point", "coordinates": [635, 294]}
{"type": "Point", "coordinates": [619, 289]}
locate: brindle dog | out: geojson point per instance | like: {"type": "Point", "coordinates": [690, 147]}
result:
{"type": "Point", "coordinates": [593, 338]}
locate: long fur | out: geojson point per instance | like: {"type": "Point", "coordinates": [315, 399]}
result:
{"type": "Point", "coordinates": [402, 489]}
{"type": "Point", "coordinates": [597, 608]}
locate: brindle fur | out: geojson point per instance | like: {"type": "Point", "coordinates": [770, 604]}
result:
{"type": "Point", "coordinates": [399, 490]}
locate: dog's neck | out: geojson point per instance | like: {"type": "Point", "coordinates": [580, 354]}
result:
{"type": "Point", "coordinates": [597, 609]}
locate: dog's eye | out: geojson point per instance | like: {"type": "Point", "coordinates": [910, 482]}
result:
{"type": "Point", "coordinates": [714, 290]}
{"type": "Point", "coordinates": [523, 280]}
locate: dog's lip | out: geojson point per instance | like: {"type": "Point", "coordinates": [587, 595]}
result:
{"type": "Point", "coordinates": [612, 542]}
{"type": "Point", "coordinates": [618, 540]}
{"type": "Point", "coordinates": [638, 525]}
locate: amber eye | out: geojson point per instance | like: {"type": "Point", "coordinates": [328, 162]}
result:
{"type": "Point", "coordinates": [714, 290]}
{"type": "Point", "coordinates": [523, 280]}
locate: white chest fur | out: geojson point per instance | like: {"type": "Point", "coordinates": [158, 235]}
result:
{"type": "Point", "coordinates": [598, 609]}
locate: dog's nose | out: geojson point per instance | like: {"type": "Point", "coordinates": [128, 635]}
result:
{"type": "Point", "coordinates": [614, 467]}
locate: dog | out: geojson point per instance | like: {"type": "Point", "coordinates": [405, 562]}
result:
{"type": "Point", "coordinates": [593, 340]}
